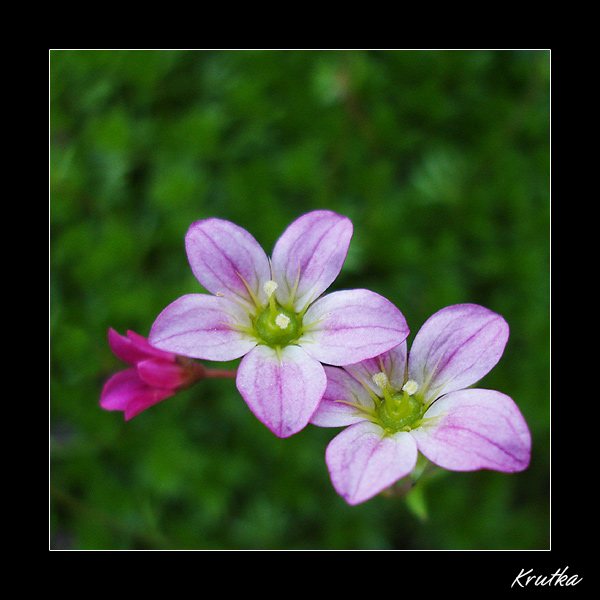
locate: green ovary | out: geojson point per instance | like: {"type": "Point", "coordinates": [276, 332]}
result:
{"type": "Point", "coordinates": [401, 413]}
{"type": "Point", "coordinates": [277, 326]}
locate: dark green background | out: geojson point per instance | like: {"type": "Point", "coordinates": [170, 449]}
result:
{"type": "Point", "coordinates": [441, 160]}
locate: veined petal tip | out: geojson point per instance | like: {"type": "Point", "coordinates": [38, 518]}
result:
{"type": "Point", "coordinates": [283, 389]}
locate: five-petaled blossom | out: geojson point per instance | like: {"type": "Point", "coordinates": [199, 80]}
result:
{"type": "Point", "coordinates": [272, 313]}
{"type": "Point", "coordinates": [396, 406]}
{"type": "Point", "coordinates": [154, 375]}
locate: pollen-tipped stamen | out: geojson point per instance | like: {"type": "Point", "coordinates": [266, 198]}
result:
{"type": "Point", "coordinates": [410, 387]}
{"type": "Point", "coordinates": [270, 287]}
{"type": "Point", "coordinates": [383, 383]}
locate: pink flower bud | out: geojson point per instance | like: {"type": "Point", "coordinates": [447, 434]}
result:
{"type": "Point", "coordinates": [154, 375]}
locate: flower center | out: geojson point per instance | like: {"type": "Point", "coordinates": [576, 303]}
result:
{"type": "Point", "coordinates": [405, 411]}
{"type": "Point", "coordinates": [399, 410]}
{"type": "Point", "coordinates": [277, 326]}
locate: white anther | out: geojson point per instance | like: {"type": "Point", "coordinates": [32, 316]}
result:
{"type": "Point", "coordinates": [410, 387]}
{"type": "Point", "coordinates": [282, 320]}
{"type": "Point", "coordinates": [270, 287]}
{"type": "Point", "coordinates": [380, 380]}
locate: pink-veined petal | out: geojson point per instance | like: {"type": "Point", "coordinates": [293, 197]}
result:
{"type": "Point", "coordinates": [223, 255]}
{"type": "Point", "coordinates": [199, 326]}
{"type": "Point", "coordinates": [342, 389]}
{"type": "Point", "coordinates": [125, 391]}
{"type": "Point", "coordinates": [363, 462]}
{"type": "Point", "coordinates": [475, 429]}
{"type": "Point", "coordinates": [352, 325]}
{"type": "Point", "coordinates": [310, 254]}
{"type": "Point", "coordinates": [284, 390]}
{"type": "Point", "coordinates": [456, 347]}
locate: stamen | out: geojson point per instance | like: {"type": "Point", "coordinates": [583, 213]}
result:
{"type": "Point", "coordinates": [250, 292]}
{"type": "Point", "coordinates": [295, 289]}
{"type": "Point", "coordinates": [380, 380]}
{"type": "Point", "coordinates": [270, 287]}
{"type": "Point", "coordinates": [242, 304]}
{"type": "Point", "coordinates": [410, 387]}
{"type": "Point", "coordinates": [281, 320]}
{"type": "Point", "coordinates": [361, 408]}
{"type": "Point", "coordinates": [371, 393]}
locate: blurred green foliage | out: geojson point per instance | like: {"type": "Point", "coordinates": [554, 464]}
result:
{"type": "Point", "coordinates": [440, 158]}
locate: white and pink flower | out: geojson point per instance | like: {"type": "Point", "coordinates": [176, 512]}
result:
{"type": "Point", "coordinates": [272, 313]}
{"type": "Point", "coordinates": [397, 405]}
